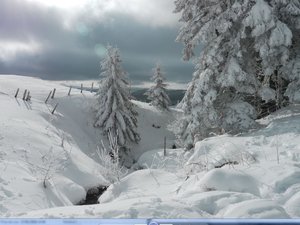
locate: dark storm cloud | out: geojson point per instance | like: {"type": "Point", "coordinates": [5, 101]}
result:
{"type": "Point", "coordinates": [70, 52]}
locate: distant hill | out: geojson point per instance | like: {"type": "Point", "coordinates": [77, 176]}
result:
{"type": "Point", "coordinates": [175, 95]}
{"type": "Point", "coordinates": [138, 93]}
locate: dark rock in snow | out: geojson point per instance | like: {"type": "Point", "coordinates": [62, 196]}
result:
{"type": "Point", "coordinates": [92, 195]}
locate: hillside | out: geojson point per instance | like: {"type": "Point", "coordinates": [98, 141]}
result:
{"type": "Point", "coordinates": [32, 140]}
{"type": "Point", "coordinates": [252, 175]}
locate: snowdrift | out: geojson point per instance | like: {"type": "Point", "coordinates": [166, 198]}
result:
{"type": "Point", "coordinates": [252, 175]}
{"type": "Point", "coordinates": [34, 143]}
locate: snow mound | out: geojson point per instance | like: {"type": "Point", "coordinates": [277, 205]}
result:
{"type": "Point", "coordinates": [214, 201]}
{"type": "Point", "coordinates": [256, 208]}
{"type": "Point", "coordinates": [142, 183]}
{"type": "Point", "coordinates": [217, 152]}
{"type": "Point", "coordinates": [227, 180]}
{"type": "Point", "coordinates": [287, 180]}
{"type": "Point", "coordinates": [292, 205]}
{"type": "Point", "coordinates": [129, 208]}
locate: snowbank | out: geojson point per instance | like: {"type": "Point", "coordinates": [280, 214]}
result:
{"type": "Point", "coordinates": [34, 148]}
{"type": "Point", "coordinates": [227, 180]}
{"type": "Point", "coordinates": [143, 183]}
{"type": "Point", "coordinates": [33, 140]}
{"type": "Point", "coordinates": [253, 175]}
{"type": "Point", "coordinates": [256, 208]}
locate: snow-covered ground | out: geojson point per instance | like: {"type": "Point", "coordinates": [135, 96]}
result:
{"type": "Point", "coordinates": [254, 175]}
{"type": "Point", "coordinates": [34, 143]}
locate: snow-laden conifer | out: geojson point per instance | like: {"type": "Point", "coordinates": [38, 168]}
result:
{"type": "Point", "coordinates": [114, 111]}
{"type": "Point", "coordinates": [212, 102]}
{"type": "Point", "coordinates": [289, 12]}
{"type": "Point", "coordinates": [157, 94]}
{"type": "Point", "coordinates": [238, 39]}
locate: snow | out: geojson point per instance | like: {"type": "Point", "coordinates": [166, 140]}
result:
{"type": "Point", "coordinates": [225, 176]}
{"type": "Point", "coordinates": [155, 159]}
{"type": "Point", "coordinates": [152, 137]}
{"type": "Point", "coordinates": [256, 208]}
{"type": "Point", "coordinates": [28, 132]}
{"type": "Point", "coordinates": [31, 144]}
{"type": "Point", "coordinates": [212, 153]}
{"type": "Point", "coordinates": [213, 202]}
{"type": "Point", "coordinates": [156, 183]}
{"type": "Point", "coordinates": [260, 18]}
{"type": "Point", "coordinates": [281, 35]}
{"type": "Point", "coordinates": [292, 205]}
{"type": "Point", "coordinates": [227, 180]}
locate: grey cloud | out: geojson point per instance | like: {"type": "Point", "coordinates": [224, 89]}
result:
{"type": "Point", "coordinates": [21, 20]}
{"type": "Point", "coordinates": [70, 53]}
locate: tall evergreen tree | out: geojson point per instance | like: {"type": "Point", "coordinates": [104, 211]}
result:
{"type": "Point", "coordinates": [289, 13]}
{"type": "Point", "coordinates": [157, 94]}
{"type": "Point", "coordinates": [114, 111]}
{"type": "Point", "coordinates": [237, 37]}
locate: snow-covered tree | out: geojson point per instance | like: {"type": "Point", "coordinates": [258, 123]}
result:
{"type": "Point", "coordinates": [213, 103]}
{"type": "Point", "coordinates": [237, 37]}
{"type": "Point", "coordinates": [109, 158]}
{"type": "Point", "coordinates": [114, 111]}
{"type": "Point", "coordinates": [289, 13]}
{"type": "Point", "coordinates": [157, 94]}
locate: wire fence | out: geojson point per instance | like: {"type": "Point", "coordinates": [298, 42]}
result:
{"type": "Point", "coordinates": [26, 96]}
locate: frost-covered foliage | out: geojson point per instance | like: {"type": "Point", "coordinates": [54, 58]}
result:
{"type": "Point", "coordinates": [244, 44]}
{"type": "Point", "coordinates": [290, 14]}
{"type": "Point", "coordinates": [115, 112]}
{"type": "Point", "coordinates": [110, 159]}
{"type": "Point", "coordinates": [50, 164]}
{"type": "Point", "coordinates": [157, 94]}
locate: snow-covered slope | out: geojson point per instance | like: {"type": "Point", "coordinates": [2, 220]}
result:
{"type": "Point", "coordinates": [254, 175]}
{"type": "Point", "coordinates": [225, 177]}
{"type": "Point", "coordinates": [35, 144]}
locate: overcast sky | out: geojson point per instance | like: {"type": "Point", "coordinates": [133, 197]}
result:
{"type": "Point", "coordinates": [65, 39]}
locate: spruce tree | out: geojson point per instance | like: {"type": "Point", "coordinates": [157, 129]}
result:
{"type": "Point", "coordinates": [157, 94]}
{"type": "Point", "coordinates": [289, 13]}
{"type": "Point", "coordinates": [238, 39]}
{"type": "Point", "coordinates": [115, 112]}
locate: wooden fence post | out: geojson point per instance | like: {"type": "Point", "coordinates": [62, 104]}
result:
{"type": "Point", "coordinates": [92, 87]}
{"type": "Point", "coordinates": [70, 91]}
{"type": "Point", "coordinates": [48, 97]}
{"type": "Point", "coordinates": [53, 93]}
{"type": "Point", "coordinates": [165, 146]}
{"type": "Point", "coordinates": [24, 95]}
{"type": "Point", "coordinates": [54, 108]}
{"type": "Point", "coordinates": [81, 87]}
{"type": "Point", "coordinates": [28, 96]}
{"type": "Point", "coordinates": [17, 92]}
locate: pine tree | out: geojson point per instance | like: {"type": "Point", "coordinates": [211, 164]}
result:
{"type": "Point", "coordinates": [289, 13]}
{"type": "Point", "coordinates": [157, 94]}
{"type": "Point", "coordinates": [238, 39]}
{"type": "Point", "coordinates": [114, 111]}
{"type": "Point", "coordinates": [213, 103]}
